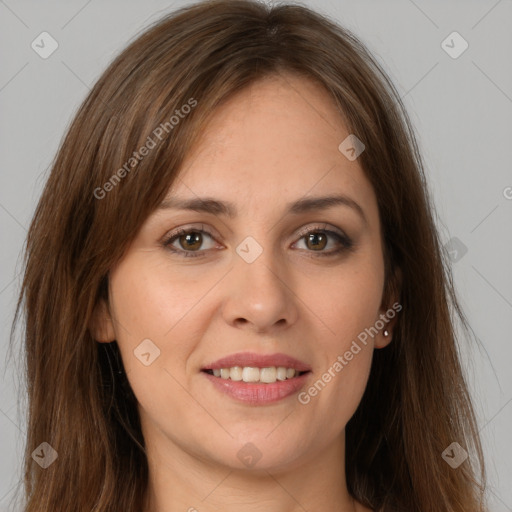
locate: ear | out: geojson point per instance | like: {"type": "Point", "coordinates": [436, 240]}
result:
{"type": "Point", "coordinates": [101, 325]}
{"type": "Point", "coordinates": [390, 309]}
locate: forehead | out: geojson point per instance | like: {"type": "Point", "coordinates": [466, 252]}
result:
{"type": "Point", "coordinates": [273, 142]}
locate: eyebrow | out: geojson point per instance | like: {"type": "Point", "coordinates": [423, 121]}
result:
{"type": "Point", "coordinates": [227, 209]}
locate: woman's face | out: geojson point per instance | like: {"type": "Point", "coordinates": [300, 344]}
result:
{"type": "Point", "coordinates": [252, 284]}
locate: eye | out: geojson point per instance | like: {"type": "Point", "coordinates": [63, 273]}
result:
{"type": "Point", "coordinates": [189, 241]}
{"type": "Point", "coordinates": [316, 239]}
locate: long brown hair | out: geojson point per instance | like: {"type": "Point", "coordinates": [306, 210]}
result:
{"type": "Point", "coordinates": [416, 402]}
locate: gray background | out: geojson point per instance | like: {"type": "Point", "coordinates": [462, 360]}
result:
{"type": "Point", "coordinates": [461, 108]}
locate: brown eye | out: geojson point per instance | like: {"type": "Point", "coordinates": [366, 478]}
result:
{"type": "Point", "coordinates": [316, 240]}
{"type": "Point", "coordinates": [188, 242]}
{"type": "Point", "coordinates": [191, 241]}
{"type": "Point", "coordinates": [324, 242]}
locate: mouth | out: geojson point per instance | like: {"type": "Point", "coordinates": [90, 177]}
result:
{"type": "Point", "coordinates": [257, 379]}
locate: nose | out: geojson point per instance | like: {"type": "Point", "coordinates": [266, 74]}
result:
{"type": "Point", "coordinates": [259, 295]}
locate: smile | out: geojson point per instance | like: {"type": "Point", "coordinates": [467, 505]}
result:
{"type": "Point", "coordinates": [250, 374]}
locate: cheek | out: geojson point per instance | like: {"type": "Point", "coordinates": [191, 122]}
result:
{"type": "Point", "coordinates": [154, 301]}
{"type": "Point", "coordinates": [348, 300]}
{"type": "Point", "coordinates": [151, 299]}
{"type": "Point", "coordinates": [333, 395]}
{"type": "Point", "coordinates": [348, 306]}
{"type": "Point", "coordinates": [150, 309]}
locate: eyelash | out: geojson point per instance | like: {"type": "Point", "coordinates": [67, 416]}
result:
{"type": "Point", "coordinates": [345, 241]}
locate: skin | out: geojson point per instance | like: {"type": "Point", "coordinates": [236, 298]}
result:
{"type": "Point", "coordinates": [271, 144]}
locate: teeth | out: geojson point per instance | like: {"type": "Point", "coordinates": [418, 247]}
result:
{"type": "Point", "coordinates": [281, 373]}
{"type": "Point", "coordinates": [235, 373]}
{"type": "Point", "coordinates": [267, 375]}
{"type": "Point", "coordinates": [250, 374]}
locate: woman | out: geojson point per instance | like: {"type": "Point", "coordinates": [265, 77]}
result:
{"type": "Point", "coordinates": [235, 294]}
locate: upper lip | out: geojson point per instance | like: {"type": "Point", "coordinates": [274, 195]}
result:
{"type": "Point", "coordinates": [258, 361]}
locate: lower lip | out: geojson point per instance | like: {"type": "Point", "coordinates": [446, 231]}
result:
{"type": "Point", "coordinates": [257, 393]}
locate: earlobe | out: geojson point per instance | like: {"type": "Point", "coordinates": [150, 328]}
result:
{"type": "Point", "coordinates": [385, 337]}
{"type": "Point", "coordinates": [390, 315]}
{"type": "Point", "coordinates": [101, 326]}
